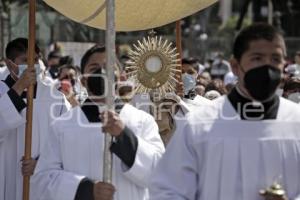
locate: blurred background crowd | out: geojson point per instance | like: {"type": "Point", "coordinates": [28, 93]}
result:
{"type": "Point", "coordinates": [207, 42]}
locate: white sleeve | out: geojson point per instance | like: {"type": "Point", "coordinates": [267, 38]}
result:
{"type": "Point", "coordinates": [149, 151]}
{"type": "Point", "coordinates": [176, 174]}
{"type": "Point", "coordinates": [50, 181]}
{"type": "Point", "coordinates": [66, 106]}
{"type": "Point", "coordinates": [60, 106]}
{"type": "Point", "coordinates": [10, 118]}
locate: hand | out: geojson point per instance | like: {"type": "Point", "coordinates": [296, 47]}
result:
{"type": "Point", "coordinates": [28, 166]}
{"type": "Point", "coordinates": [72, 100]}
{"type": "Point", "coordinates": [103, 191]}
{"type": "Point", "coordinates": [112, 123]}
{"type": "Point", "coordinates": [67, 89]}
{"type": "Point", "coordinates": [27, 78]}
{"type": "Point", "coordinates": [12, 68]}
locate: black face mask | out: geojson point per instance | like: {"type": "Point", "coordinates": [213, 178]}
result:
{"type": "Point", "coordinates": [53, 70]}
{"type": "Point", "coordinates": [96, 83]}
{"type": "Point", "coordinates": [262, 82]}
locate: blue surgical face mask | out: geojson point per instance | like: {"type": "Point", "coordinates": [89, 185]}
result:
{"type": "Point", "coordinates": [189, 82]}
{"type": "Point", "coordinates": [23, 67]}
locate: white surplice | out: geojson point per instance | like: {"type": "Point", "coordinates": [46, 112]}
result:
{"type": "Point", "coordinates": [218, 156]}
{"type": "Point", "coordinates": [75, 150]}
{"type": "Point", "coordinates": [197, 102]}
{"type": "Point", "coordinates": [48, 104]}
{"type": "Point", "coordinates": [187, 106]}
{"type": "Point", "coordinates": [4, 72]}
{"type": "Point", "coordinates": [10, 119]}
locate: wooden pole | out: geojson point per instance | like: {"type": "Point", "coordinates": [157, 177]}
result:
{"type": "Point", "coordinates": [1, 32]}
{"type": "Point", "coordinates": [179, 49]}
{"type": "Point", "coordinates": [30, 91]}
{"type": "Point", "coordinates": [110, 39]}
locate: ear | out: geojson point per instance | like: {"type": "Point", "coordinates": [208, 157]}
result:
{"type": "Point", "coordinates": [234, 66]}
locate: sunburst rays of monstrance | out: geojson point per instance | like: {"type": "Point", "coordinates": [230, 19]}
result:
{"type": "Point", "coordinates": [153, 65]}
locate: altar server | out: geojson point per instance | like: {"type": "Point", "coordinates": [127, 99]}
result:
{"type": "Point", "coordinates": [48, 104]}
{"type": "Point", "coordinates": [71, 165]}
{"type": "Point", "coordinates": [245, 141]}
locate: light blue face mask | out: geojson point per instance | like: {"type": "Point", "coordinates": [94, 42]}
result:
{"type": "Point", "coordinates": [189, 82]}
{"type": "Point", "coordinates": [23, 67]}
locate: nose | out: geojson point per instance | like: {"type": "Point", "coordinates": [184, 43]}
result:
{"type": "Point", "coordinates": [267, 61]}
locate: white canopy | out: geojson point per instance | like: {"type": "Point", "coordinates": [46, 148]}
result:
{"type": "Point", "coordinates": [131, 15]}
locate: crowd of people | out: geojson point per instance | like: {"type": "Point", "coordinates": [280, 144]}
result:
{"type": "Point", "coordinates": [234, 130]}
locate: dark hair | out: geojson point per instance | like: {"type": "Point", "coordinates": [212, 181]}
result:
{"type": "Point", "coordinates": [54, 54]}
{"type": "Point", "coordinates": [66, 60]}
{"type": "Point", "coordinates": [218, 85]}
{"type": "Point", "coordinates": [191, 61]}
{"type": "Point", "coordinates": [67, 67]}
{"type": "Point", "coordinates": [251, 33]}
{"type": "Point", "coordinates": [17, 47]}
{"type": "Point", "coordinates": [95, 49]}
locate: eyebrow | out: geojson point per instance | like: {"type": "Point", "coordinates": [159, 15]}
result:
{"type": "Point", "coordinates": [261, 54]}
{"type": "Point", "coordinates": [277, 54]}
{"type": "Point", "coordinates": [256, 54]}
{"type": "Point", "coordinates": [95, 64]}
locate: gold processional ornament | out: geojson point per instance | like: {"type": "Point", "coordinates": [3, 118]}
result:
{"type": "Point", "coordinates": [275, 191]}
{"type": "Point", "coordinates": [152, 66]}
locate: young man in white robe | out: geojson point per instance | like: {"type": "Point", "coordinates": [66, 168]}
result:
{"type": "Point", "coordinates": [72, 164]}
{"type": "Point", "coordinates": [10, 119]}
{"type": "Point", "coordinates": [243, 142]}
{"type": "Point", "coordinates": [48, 104]}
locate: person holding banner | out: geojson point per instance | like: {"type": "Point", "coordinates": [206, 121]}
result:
{"type": "Point", "coordinates": [70, 166]}
{"type": "Point", "coordinates": [245, 141]}
{"type": "Point", "coordinates": [48, 104]}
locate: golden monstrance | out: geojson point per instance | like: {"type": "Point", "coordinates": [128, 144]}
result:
{"type": "Point", "coordinates": [153, 65]}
